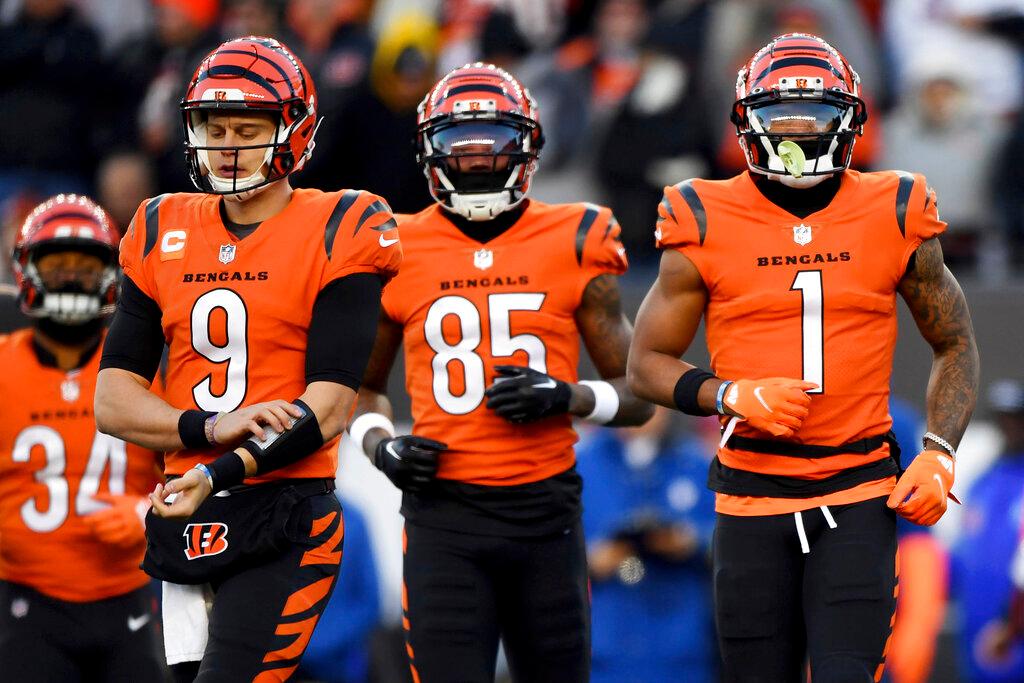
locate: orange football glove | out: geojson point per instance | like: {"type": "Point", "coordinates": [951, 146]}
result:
{"type": "Point", "coordinates": [122, 523]}
{"type": "Point", "coordinates": [920, 494]}
{"type": "Point", "coordinates": [777, 405]}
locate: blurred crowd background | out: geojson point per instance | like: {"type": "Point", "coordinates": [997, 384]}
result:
{"type": "Point", "coordinates": [634, 95]}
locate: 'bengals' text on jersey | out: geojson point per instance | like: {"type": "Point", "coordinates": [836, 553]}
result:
{"type": "Point", "coordinates": [52, 464]}
{"type": "Point", "coordinates": [467, 307]}
{"type": "Point", "coordinates": [236, 311]}
{"type": "Point", "coordinates": [811, 298]}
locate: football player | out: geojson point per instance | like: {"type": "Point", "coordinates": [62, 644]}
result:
{"type": "Point", "coordinates": [495, 291]}
{"type": "Point", "coordinates": [268, 298]}
{"type": "Point", "coordinates": [795, 266]}
{"type": "Point", "coordinates": [73, 603]}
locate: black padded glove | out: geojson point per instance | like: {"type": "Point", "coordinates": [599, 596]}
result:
{"type": "Point", "coordinates": [410, 462]}
{"type": "Point", "coordinates": [520, 394]}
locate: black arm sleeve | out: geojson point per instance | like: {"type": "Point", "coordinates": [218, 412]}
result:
{"type": "Point", "coordinates": [136, 339]}
{"type": "Point", "coordinates": [343, 330]}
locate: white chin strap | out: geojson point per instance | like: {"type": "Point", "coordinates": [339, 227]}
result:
{"type": "Point", "coordinates": [480, 207]}
{"type": "Point", "coordinates": [798, 183]}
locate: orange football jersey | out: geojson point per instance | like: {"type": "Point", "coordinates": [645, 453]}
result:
{"type": "Point", "coordinates": [467, 307]}
{"type": "Point", "coordinates": [236, 312]}
{"type": "Point", "coordinates": [52, 463]}
{"type": "Point", "coordinates": [811, 298]}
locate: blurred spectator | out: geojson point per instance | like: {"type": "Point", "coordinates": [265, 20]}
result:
{"type": "Point", "coordinates": [13, 212]}
{"type": "Point", "coordinates": [117, 22]}
{"type": "Point", "coordinates": [923, 574]}
{"type": "Point", "coordinates": [49, 72]}
{"type": "Point", "coordinates": [648, 517]}
{"type": "Point", "coordinates": [123, 181]}
{"type": "Point", "coordinates": [369, 143]}
{"type": "Point", "coordinates": [257, 18]}
{"type": "Point", "coordinates": [659, 136]}
{"type": "Point", "coordinates": [982, 558]}
{"type": "Point", "coordinates": [338, 652]}
{"type": "Point", "coordinates": [940, 130]}
{"type": "Point", "coordinates": [336, 46]}
{"type": "Point", "coordinates": [148, 79]}
{"type": "Point", "coordinates": [914, 27]}
{"type": "Point", "coordinates": [587, 79]}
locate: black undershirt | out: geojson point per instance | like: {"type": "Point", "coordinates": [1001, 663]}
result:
{"type": "Point", "coordinates": [801, 202]}
{"type": "Point", "coordinates": [239, 230]}
{"type": "Point", "coordinates": [48, 360]}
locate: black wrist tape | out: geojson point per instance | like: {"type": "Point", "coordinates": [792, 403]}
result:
{"type": "Point", "coordinates": [226, 471]}
{"type": "Point", "coordinates": [192, 428]}
{"type": "Point", "coordinates": [687, 388]}
{"type": "Point", "coordinates": [280, 449]}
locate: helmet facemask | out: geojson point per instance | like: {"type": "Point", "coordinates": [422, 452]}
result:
{"type": "Point", "coordinates": [277, 162]}
{"type": "Point", "coordinates": [478, 162]}
{"type": "Point", "coordinates": [69, 302]}
{"type": "Point", "coordinates": [798, 110]}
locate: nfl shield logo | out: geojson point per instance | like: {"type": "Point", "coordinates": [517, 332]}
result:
{"type": "Point", "coordinates": [69, 390]}
{"type": "Point", "coordinates": [801, 234]}
{"type": "Point", "coordinates": [483, 259]}
{"type": "Point", "coordinates": [227, 253]}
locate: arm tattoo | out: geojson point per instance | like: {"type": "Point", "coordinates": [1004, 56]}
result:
{"type": "Point", "coordinates": [607, 334]}
{"type": "Point", "coordinates": [940, 311]}
{"type": "Point", "coordinates": [605, 329]}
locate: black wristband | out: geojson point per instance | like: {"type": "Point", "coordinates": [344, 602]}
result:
{"type": "Point", "coordinates": [685, 392]}
{"type": "Point", "coordinates": [226, 471]}
{"type": "Point", "coordinates": [192, 428]}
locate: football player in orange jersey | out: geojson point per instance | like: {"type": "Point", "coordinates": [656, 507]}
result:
{"type": "Point", "coordinates": [73, 603]}
{"type": "Point", "coordinates": [268, 299]}
{"type": "Point", "coordinates": [795, 266]}
{"type": "Point", "coordinates": [494, 293]}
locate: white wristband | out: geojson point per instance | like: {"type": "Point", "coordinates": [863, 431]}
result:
{"type": "Point", "coordinates": [606, 401]}
{"type": "Point", "coordinates": [361, 425]}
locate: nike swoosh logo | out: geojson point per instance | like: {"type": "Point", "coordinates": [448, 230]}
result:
{"type": "Point", "coordinates": [757, 395]}
{"type": "Point", "coordinates": [942, 489]}
{"type": "Point", "coordinates": [946, 463]}
{"type": "Point", "coordinates": [135, 623]}
{"type": "Point", "coordinates": [390, 448]}
{"type": "Point", "coordinates": [386, 242]}
{"type": "Point", "coordinates": [550, 384]}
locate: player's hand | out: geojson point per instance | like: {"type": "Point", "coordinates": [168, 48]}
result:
{"type": "Point", "coordinates": [410, 462]}
{"type": "Point", "coordinates": [189, 491]}
{"type": "Point", "coordinates": [920, 494]}
{"type": "Point", "coordinates": [121, 523]}
{"type": "Point", "coordinates": [521, 394]}
{"type": "Point", "coordinates": [232, 428]}
{"type": "Point", "coordinates": [777, 405]}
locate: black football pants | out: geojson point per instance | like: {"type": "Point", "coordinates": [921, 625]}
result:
{"type": "Point", "coordinates": [464, 591]}
{"type": "Point", "coordinates": [777, 605]}
{"type": "Point", "coordinates": [45, 640]}
{"type": "Point", "coordinates": [263, 616]}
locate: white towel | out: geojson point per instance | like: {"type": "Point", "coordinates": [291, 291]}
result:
{"type": "Point", "coordinates": [186, 614]}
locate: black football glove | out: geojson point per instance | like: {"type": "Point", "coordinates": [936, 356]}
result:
{"type": "Point", "coordinates": [410, 462]}
{"type": "Point", "coordinates": [521, 394]}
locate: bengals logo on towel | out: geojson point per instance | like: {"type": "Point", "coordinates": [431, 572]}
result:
{"type": "Point", "coordinates": [205, 540]}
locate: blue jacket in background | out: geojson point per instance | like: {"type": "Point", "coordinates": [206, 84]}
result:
{"type": "Point", "coordinates": [981, 565]}
{"type": "Point", "coordinates": [660, 628]}
{"type": "Point", "coordinates": [338, 650]}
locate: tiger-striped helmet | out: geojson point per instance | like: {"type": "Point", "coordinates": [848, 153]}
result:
{"type": "Point", "coordinates": [252, 74]}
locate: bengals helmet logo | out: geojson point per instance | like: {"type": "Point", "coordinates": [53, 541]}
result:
{"type": "Point", "coordinates": [205, 540]}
